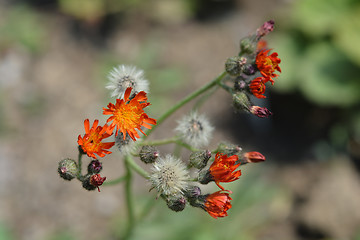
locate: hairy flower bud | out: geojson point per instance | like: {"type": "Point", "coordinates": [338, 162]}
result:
{"type": "Point", "coordinates": [94, 167]}
{"type": "Point", "coordinates": [241, 101]}
{"type": "Point", "coordinates": [67, 169]}
{"type": "Point", "coordinates": [199, 159]}
{"type": "Point", "coordinates": [229, 149]}
{"type": "Point", "coordinates": [177, 204]}
{"type": "Point", "coordinates": [265, 29]}
{"type": "Point", "coordinates": [235, 65]}
{"type": "Point", "coordinates": [248, 45]}
{"type": "Point", "coordinates": [148, 154]}
{"type": "Point", "coordinates": [193, 192]}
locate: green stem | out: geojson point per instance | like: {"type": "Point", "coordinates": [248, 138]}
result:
{"type": "Point", "coordinates": [136, 167]}
{"type": "Point", "coordinates": [187, 146]}
{"type": "Point", "coordinates": [115, 181]}
{"type": "Point", "coordinates": [187, 99]}
{"type": "Point", "coordinates": [79, 174]}
{"type": "Point", "coordinates": [159, 142]}
{"type": "Point", "coordinates": [129, 199]}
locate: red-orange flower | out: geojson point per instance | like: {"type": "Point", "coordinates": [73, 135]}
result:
{"type": "Point", "coordinates": [91, 143]}
{"type": "Point", "coordinates": [128, 115]}
{"type": "Point", "coordinates": [223, 167]}
{"type": "Point", "coordinates": [257, 87]}
{"type": "Point", "coordinates": [217, 203]}
{"type": "Point", "coordinates": [267, 64]}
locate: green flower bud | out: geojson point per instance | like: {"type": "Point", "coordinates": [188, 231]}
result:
{"type": "Point", "coordinates": [235, 65]}
{"type": "Point", "coordinates": [177, 204]}
{"type": "Point", "coordinates": [200, 159]}
{"type": "Point", "coordinates": [241, 101]}
{"type": "Point", "coordinates": [248, 45]}
{"type": "Point", "coordinates": [229, 149]}
{"type": "Point", "coordinates": [67, 169]}
{"type": "Point", "coordinates": [148, 154]}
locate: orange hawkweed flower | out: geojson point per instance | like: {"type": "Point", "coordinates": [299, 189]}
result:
{"type": "Point", "coordinates": [223, 167]}
{"type": "Point", "coordinates": [91, 143]}
{"type": "Point", "coordinates": [253, 157]}
{"type": "Point", "coordinates": [128, 115]}
{"type": "Point", "coordinates": [257, 87]}
{"type": "Point", "coordinates": [217, 204]}
{"type": "Point", "coordinates": [267, 64]}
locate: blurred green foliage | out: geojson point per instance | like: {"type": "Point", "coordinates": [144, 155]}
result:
{"type": "Point", "coordinates": [22, 26]}
{"type": "Point", "coordinates": [318, 48]}
{"type": "Point", "coordinates": [5, 233]}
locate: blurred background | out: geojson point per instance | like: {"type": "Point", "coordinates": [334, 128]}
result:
{"type": "Point", "coordinates": [54, 58]}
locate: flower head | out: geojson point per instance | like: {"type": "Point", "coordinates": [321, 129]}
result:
{"type": "Point", "coordinates": [217, 203]}
{"type": "Point", "coordinates": [123, 77]}
{"type": "Point", "coordinates": [169, 176]}
{"type": "Point", "coordinates": [195, 130]}
{"type": "Point", "coordinates": [267, 64]}
{"type": "Point", "coordinates": [91, 143]}
{"type": "Point", "coordinates": [128, 115]}
{"type": "Point", "coordinates": [223, 167]}
{"type": "Point", "coordinates": [257, 87]}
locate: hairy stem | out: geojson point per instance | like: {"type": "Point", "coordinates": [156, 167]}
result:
{"type": "Point", "coordinates": [129, 199]}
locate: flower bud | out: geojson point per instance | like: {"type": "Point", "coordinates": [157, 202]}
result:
{"type": "Point", "coordinates": [229, 149]}
{"type": "Point", "coordinates": [252, 157]}
{"type": "Point", "coordinates": [193, 192]}
{"type": "Point", "coordinates": [148, 154]}
{"type": "Point", "coordinates": [205, 176]}
{"type": "Point", "coordinates": [248, 45]}
{"type": "Point", "coordinates": [235, 65]}
{"type": "Point", "coordinates": [67, 169]}
{"type": "Point", "coordinates": [199, 159]}
{"type": "Point", "coordinates": [94, 167]}
{"type": "Point", "coordinates": [249, 69]}
{"type": "Point", "coordinates": [265, 29]}
{"type": "Point", "coordinates": [241, 101]}
{"type": "Point", "coordinates": [261, 112]}
{"type": "Point", "coordinates": [91, 182]}
{"type": "Point", "coordinates": [176, 205]}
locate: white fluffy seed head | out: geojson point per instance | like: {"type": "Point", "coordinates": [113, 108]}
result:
{"type": "Point", "coordinates": [169, 176]}
{"type": "Point", "coordinates": [124, 76]}
{"type": "Point", "coordinates": [195, 130]}
{"type": "Point", "coordinates": [125, 146]}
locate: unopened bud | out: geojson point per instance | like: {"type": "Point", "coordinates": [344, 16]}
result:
{"type": "Point", "coordinates": [235, 65]}
{"type": "Point", "coordinates": [148, 154]}
{"type": "Point", "coordinates": [241, 101]}
{"type": "Point", "coordinates": [67, 169]}
{"type": "Point", "coordinates": [94, 166]}
{"type": "Point", "coordinates": [265, 29]}
{"type": "Point", "coordinates": [176, 205]}
{"type": "Point", "coordinates": [91, 182]}
{"type": "Point", "coordinates": [200, 159]}
{"type": "Point", "coordinates": [193, 192]}
{"type": "Point", "coordinates": [205, 177]}
{"type": "Point", "coordinates": [229, 149]}
{"type": "Point", "coordinates": [252, 157]}
{"type": "Point", "coordinates": [249, 69]}
{"type": "Point", "coordinates": [261, 112]}
{"type": "Point", "coordinates": [248, 45]}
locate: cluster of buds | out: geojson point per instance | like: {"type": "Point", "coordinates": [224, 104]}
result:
{"type": "Point", "coordinates": [172, 179]}
{"type": "Point", "coordinates": [251, 70]}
